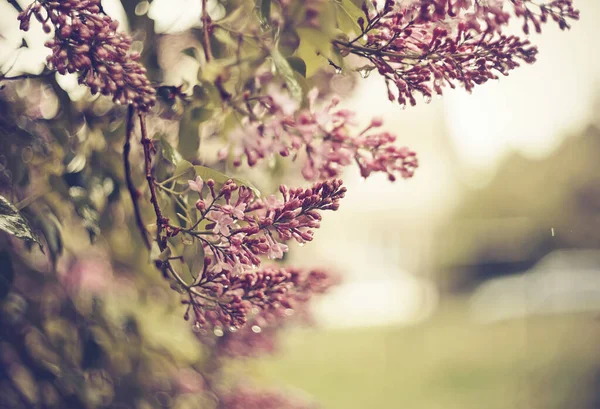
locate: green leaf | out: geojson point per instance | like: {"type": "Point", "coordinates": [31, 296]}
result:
{"type": "Point", "coordinates": [210, 71]}
{"type": "Point", "coordinates": [220, 178]}
{"type": "Point", "coordinates": [288, 42]}
{"type": "Point", "coordinates": [12, 222]}
{"type": "Point", "coordinates": [297, 65]}
{"type": "Point", "coordinates": [155, 252]}
{"type": "Point", "coordinates": [316, 49]}
{"type": "Point", "coordinates": [184, 171]}
{"type": "Point", "coordinates": [201, 114]}
{"type": "Point", "coordinates": [86, 210]}
{"type": "Point", "coordinates": [164, 255]}
{"type": "Point", "coordinates": [189, 137]}
{"type": "Point", "coordinates": [193, 257]}
{"type": "Point", "coordinates": [284, 68]}
{"type": "Point", "coordinates": [169, 153]}
{"type": "Point", "coordinates": [51, 229]}
{"type": "Point", "coordinates": [264, 11]}
{"type": "Point", "coordinates": [347, 14]}
{"type": "Point", "coordinates": [224, 36]}
{"type": "Point", "coordinates": [304, 85]}
{"type": "Point", "coordinates": [191, 52]}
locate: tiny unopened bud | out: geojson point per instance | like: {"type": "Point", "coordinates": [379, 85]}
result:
{"type": "Point", "coordinates": [376, 122]}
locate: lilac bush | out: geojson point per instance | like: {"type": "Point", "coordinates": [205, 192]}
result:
{"type": "Point", "coordinates": [171, 230]}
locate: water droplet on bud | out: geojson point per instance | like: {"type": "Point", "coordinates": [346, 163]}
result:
{"type": "Point", "coordinates": [427, 99]}
{"type": "Point", "coordinates": [403, 106]}
{"type": "Point", "coordinates": [301, 244]}
{"type": "Point", "coordinates": [338, 70]}
{"type": "Point", "coordinates": [218, 332]}
{"type": "Point", "coordinates": [197, 327]}
{"type": "Point", "coordinates": [232, 329]}
{"type": "Point", "coordinates": [256, 329]}
{"type": "Point", "coordinates": [364, 73]}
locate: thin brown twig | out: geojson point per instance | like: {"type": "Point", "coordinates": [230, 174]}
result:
{"type": "Point", "coordinates": [133, 192]}
{"type": "Point", "coordinates": [148, 146]}
{"type": "Point", "coordinates": [162, 223]}
{"type": "Point", "coordinates": [15, 4]}
{"type": "Point", "coordinates": [206, 30]}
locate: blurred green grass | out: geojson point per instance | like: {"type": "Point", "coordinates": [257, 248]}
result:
{"type": "Point", "coordinates": [447, 362]}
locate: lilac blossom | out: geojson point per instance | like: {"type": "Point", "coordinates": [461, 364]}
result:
{"type": "Point", "coordinates": [259, 335]}
{"type": "Point", "coordinates": [87, 42]}
{"type": "Point", "coordinates": [420, 47]}
{"type": "Point", "coordinates": [325, 136]}
{"type": "Point", "coordinates": [196, 185]}
{"type": "Point", "coordinates": [237, 230]}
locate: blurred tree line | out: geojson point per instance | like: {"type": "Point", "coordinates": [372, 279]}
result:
{"type": "Point", "coordinates": [530, 207]}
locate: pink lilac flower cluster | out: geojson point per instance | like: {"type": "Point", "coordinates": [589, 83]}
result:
{"type": "Point", "coordinates": [423, 46]}
{"type": "Point", "coordinates": [537, 14]}
{"type": "Point", "coordinates": [491, 15]}
{"type": "Point", "coordinates": [237, 230]}
{"type": "Point", "coordinates": [246, 397]}
{"type": "Point", "coordinates": [258, 336]}
{"type": "Point", "coordinates": [87, 42]}
{"type": "Point", "coordinates": [323, 135]}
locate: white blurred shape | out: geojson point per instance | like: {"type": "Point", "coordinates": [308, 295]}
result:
{"type": "Point", "coordinates": [404, 299]}
{"type": "Point", "coordinates": [176, 16]}
{"type": "Point", "coordinates": [14, 60]}
{"type": "Point", "coordinates": [70, 84]}
{"type": "Point", "coordinates": [564, 281]}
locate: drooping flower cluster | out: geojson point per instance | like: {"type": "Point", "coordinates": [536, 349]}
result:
{"type": "Point", "coordinates": [322, 135]}
{"type": "Point", "coordinates": [423, 46]}
{"type": "Point", "coordinates": [87, 42]}
{"type": "Point", "coordinates": [236, 230]}
{"type": "Point", "coordinates": [288, 298]}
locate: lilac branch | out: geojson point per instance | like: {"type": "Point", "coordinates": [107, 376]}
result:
{"type": "Point", "coordinates": [133, 192]}
{"type": "Point", "coordinates": [206, 21]}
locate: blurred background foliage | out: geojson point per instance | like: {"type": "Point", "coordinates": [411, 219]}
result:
{"type": "Point", "coordinates": [531, 207]}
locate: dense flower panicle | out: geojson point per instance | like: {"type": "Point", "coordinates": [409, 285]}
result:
{"type": "Point", "coordinates": [322, 135]}
{"type": "Point", "coordinates": [266, 297]}
{"type": "Point", "coordinates": [245, 397]}
{"type": "Point", "coordinates": [537, 14]}
{"type": "Point", "coordinates": [287, 299]}
{"type": "Point", "coordinates": [87, 42]}
{"type": "Point", "coordinates": [492, 15]}
{"type": "Point", "coordinates": [237, 230]}
{"type": "Point", "coordinates": [424, 46]}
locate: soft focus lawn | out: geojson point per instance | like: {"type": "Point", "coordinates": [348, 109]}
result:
{"type": "Point", "coordinates": [447, 362]}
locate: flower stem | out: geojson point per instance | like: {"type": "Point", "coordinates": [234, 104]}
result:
{"type": "Point", "coordinates": [206, 31]}
{"type": "Point", "coordinates": [133, 192]}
